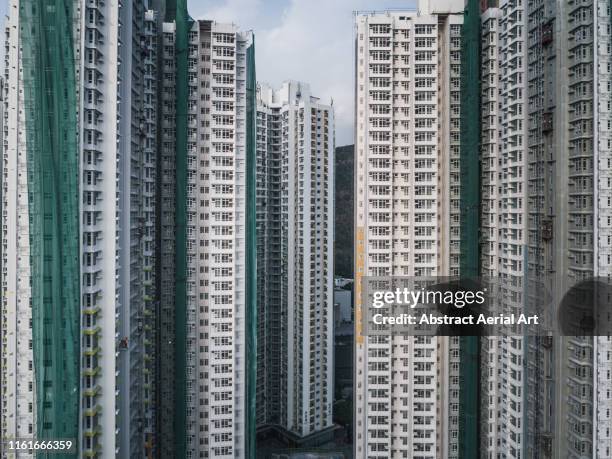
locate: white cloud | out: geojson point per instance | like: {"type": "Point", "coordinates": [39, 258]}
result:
{"type": "Point", "coordinates": [226, 11]}
{"type": "Point", "coordinates": [306, 40]}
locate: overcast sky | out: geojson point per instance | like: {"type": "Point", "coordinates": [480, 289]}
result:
{"type": "Point", "coordinates": [306, 40]}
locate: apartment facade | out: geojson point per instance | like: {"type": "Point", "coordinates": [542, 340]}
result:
{"type": "Point", "coordinates": [408, 67]}
{"type": "Point", "coordinates": [117, 224]}
{"type": "Point", "coordinates": [295, 147]}
{"type": "Point", "coordinates": [504, 201]}
{"type": "Point", "coordinates": [17, 380]}
{"type": "Point", "coordinates": [569, 130]}
{"type": "Point", "coordinates": [545, 111]}
{"type": "Point", "coordinates": [208, 115]}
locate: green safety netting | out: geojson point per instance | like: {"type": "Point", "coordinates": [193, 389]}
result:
{"type": "Point", "coordinates": [50, 106]}
{"type": "Point", "coordinates": [470, 208]}
{"type": "Point", "coordinates": [177, 10]}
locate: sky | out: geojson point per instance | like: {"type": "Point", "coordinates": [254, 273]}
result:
{"type": "Point", "coordinates": [305, 40]}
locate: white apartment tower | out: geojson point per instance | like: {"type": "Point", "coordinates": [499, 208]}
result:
{"type": "Point", "coordinates": [408, 66]}
{"type": "Point", "coordinates": [207, 111]}
{"type": "Point", "coordinates": [295, 154]}
{"type": "Point", "coordinates": [504, 201]}
{"type": "Point", "coordinates": [570, 91]}
{"type": "Point", "coordinates": [117, 222]}
{"type": "Point", "coordinates": [78, 227]}
{"type": "Point", "coordinates": [17, 379]}
{"type": "Point", "coordinates": [546, 94]}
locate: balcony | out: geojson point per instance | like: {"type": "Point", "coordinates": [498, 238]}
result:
{"type": "Point", "coordinates": [93, 391]}
{"type": "Point", "coordinates": [92, 432]}
{"type": "Point", "coordinates": [92, 331]}
{"type": "Point", "coordinates": [92, 371]}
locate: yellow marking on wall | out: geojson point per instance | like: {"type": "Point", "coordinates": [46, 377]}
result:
{"type": "Point", "coordinates": [359, 264]}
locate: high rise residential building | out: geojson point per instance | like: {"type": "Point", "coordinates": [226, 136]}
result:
{"type": "Point", "coordinates": [504, 201]}
{"type": "Point", "coordinates": [545, 219]}
{"type": "Point", "coordinates": [295, 167]}
{"type": "Point", "coordinates": [207, 193]}
{"type": "Point", "coordinates": [407, 221]}
{"type": "Point", "coordinates": [78, 227]}
{"type": "Point", "coordinates": [18, 399]}
{"type": "Point", "coordinates": [570, 153]}
{"type": "Point", "coordinates": [117, 223]}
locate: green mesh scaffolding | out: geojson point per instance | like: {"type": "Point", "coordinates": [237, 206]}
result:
{"type": "Point", "coordinates": [251, 251]}
{"type": "Point", "coordinates": [470, 208]}
{"type": "Point", "coordinates": [50, 106]}
{"type": "Point", "coordinates": [183, 25]}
